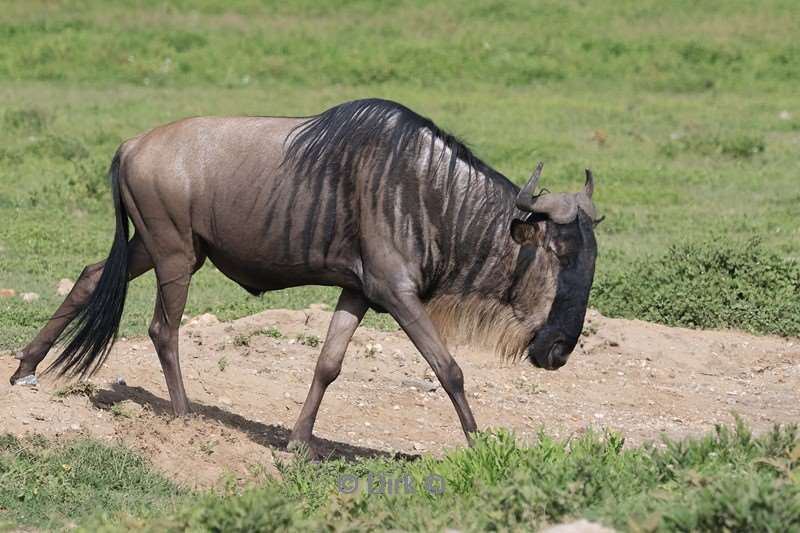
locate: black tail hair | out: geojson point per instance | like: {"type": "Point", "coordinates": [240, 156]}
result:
{"type": "Point", "coordinates": [94, 329]}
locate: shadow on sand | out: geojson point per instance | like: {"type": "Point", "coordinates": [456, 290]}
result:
{"type": "Point", "coordinates": [269, 435]}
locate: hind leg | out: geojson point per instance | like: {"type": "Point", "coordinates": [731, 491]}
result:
{"type": "Point", "coordinates": [173, 288]}
{"type": "Point", "coordinates": [139, 262]}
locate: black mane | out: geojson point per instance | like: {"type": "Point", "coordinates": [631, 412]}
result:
{"type": "Point", "coordinates": [385, 132]}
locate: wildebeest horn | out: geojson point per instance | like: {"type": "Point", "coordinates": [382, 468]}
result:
{"type": "Point", "coordinates": [561, 208]}
{"type": "Point", "coordinates": [525, 198]}
{"type": "Point", "coordinates": [589, 187]}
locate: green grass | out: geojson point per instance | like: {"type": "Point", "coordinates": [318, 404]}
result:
{"type": "Point", "coordinates": [686, 111]}
{"type": "Point", "coordinates": [47, 485]}
{"type": "Point", "coordinates": [678, 107]}
{"type": "Point", "coordinates": [727, 480]}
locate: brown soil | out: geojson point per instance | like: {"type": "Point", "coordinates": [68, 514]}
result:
{"type": "Point", "coordinates": [246, 389]}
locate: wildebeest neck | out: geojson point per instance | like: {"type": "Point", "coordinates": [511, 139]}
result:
{"type": "Point", "coordinates": [422, 204]}
{"type": "Point", "coordinates": [472, 209]}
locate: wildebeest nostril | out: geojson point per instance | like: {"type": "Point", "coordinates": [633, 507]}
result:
{"type": "Point", "coordinates": [557, 357]}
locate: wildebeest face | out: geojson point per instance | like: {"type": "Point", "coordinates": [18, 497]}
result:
{"type": "Point", "coordinates": [557, 252]}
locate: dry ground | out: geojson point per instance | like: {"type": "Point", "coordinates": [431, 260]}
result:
{"type": "Point", "coordinates": [247, 387]}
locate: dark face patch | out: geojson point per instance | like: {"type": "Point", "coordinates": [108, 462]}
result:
{"type": "Point", "coordinates": [570, 250]}
{"type": "Point", "coordinates": [575, 246]}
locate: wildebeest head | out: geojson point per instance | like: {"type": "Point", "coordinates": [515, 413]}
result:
{"type": "Point", "coordinates": [557, 249]}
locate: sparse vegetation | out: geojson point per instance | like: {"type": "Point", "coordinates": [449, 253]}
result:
{"type": "Point", "coordinates": [119, 411]}
{"type": "Point", "coordinates": [273, 332]}
{"type": "Point", "coordinates": [311, 341]}
{"type": "Point", "coordinates": [222, 363]}
{"type": "Point", "coordinates": [241, 340]}
{"type": "Point", "coordinates": [77, 388]}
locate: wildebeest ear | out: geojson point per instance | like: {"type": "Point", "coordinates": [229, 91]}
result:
{"type": "Point", "coordinates": [523, 232]}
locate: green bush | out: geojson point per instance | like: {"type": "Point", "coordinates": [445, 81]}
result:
{"type": "Point", "coordinates": [712, 284]}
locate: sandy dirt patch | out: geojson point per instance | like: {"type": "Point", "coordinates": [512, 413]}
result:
{"type": "Point", "coordinates": [246, 387]}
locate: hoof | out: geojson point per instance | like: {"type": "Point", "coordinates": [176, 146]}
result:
{"type": "Point", "coordinates": [29, 380]}
{"type": "Point", "coordinates": [297, 446]}
{"type": "Point", "coordinates": [304, 449]}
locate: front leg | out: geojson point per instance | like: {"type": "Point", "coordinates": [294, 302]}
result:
{"type": "Point", "coordinates": [348, 314]}
{"type": "Point", "coordinates": [409, 312]}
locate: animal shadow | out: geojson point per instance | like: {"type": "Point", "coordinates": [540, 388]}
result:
{"type": "Point", "coordinates": [269, 435]}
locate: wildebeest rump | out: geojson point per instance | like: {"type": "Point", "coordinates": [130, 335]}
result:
{"type": "Point", "coordinates": [367, 196]}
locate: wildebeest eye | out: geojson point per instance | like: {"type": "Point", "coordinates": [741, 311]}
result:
{"type": "Point", "coordinates": [564, 248]}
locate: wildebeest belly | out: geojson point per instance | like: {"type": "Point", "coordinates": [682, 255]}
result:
{"type": "Point", "coordinates": [260, 271]}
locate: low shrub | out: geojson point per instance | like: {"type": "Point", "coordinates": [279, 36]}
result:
{"type": "Point", "coordinates": [712, 284]}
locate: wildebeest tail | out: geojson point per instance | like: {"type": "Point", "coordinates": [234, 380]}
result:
{"type": "Point", "coordinates": [94, 329]}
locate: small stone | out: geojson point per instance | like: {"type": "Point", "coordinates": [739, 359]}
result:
{"type": "Point", "coordinates": [418, 447]}
{"type": "Point", "coordinates": [120, 381]}
{"type": "Point", "coordinates": [225, 401]}
{"type": "Point", "coordinates": [64, 286]}
{"type": "Point", "coordinates": [784, 115]}
{"type": "Point", "coordinates": [206, 319]}
{"type": "Point", "coordinates": [75, 427]}
{"type": "Point", "coordinates": [396, 407]}
{"type": "Point", "coordinates": [581, 526]}
{"type": "Point", "coordinates": [29, 297]}
{"type": "Point", "coordinates": [373, 348]}
{"type": "Point", "coordinates": [419, 384]}
{"type": "Point", "coordinates": [7, 293]}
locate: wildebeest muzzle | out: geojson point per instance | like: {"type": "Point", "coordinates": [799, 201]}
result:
{"type": "Point", "coordinates": [550, 349]}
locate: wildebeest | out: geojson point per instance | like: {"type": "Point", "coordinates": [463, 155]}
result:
{"type": "Point", "coordinates": [367, 196]}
